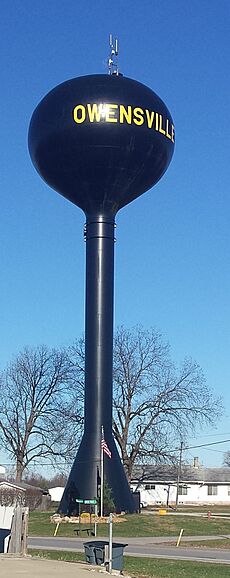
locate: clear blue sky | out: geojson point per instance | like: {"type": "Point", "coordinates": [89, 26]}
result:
{"type": "Point", "coordinates": [173, 243]}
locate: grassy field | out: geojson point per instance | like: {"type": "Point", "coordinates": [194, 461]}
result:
{"type": "Point", "coordinates": [137, 525]}
{"type": "Point", "coordinates": [206, 508]}
{"type": "Point", "coordinates": [142, 567]}
{"type": "Point", "coordinates": [223, 544]}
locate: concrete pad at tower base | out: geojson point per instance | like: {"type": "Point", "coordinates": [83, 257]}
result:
{"type": "Point", "coordinates": [27, 567]}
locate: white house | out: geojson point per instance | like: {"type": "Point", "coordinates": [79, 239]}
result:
{"type": "Point", "coordinates": [56, 493]}
{"type": "Point", "coordinates": [2, 471]}
{"type": "Point", "coordinates": [197, 484]}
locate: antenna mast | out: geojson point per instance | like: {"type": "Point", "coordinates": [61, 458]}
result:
{"type": "Point", "coordinates": [113, 56]}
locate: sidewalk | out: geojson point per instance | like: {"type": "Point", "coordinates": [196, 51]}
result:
{"type": "Point", "coordinates": [19, 567]}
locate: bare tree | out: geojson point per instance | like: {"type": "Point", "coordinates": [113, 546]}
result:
{"type": "Point", "coordinates": [154, 403]}
{"type": "Point", "coordinates": [226, 462]}
{"type": "Point", "coordinates": [33, 401]}
{"type": "Point", "coordinates": [38, 480]}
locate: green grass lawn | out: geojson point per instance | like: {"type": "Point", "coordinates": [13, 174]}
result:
{"type": "Point", "coordinates": [206, 508]}
{"type": "Point", "coordinates": [142, 567]}
{"type": "Point", "coordinates": [136, 525]}
{"type": "Point", "coordinates": [223, 544]}
{"type": "Point", "coordinates": [169, 569]}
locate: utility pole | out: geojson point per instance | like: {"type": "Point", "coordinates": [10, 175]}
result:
{"type": "Point", "coordinates": [179, 474]}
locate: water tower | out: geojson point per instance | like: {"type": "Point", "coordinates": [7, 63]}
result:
{"type": "Point", "coordinates": [101, 141]}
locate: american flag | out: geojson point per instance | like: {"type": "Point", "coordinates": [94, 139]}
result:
{"type": "Point", "coordinates": [105, 448]}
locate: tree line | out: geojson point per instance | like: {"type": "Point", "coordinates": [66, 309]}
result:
{"type": "Point", "coordinates": [155, 403]}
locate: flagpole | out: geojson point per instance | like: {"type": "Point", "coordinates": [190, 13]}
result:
{"type": "Point", "coordinates": [102, 471]}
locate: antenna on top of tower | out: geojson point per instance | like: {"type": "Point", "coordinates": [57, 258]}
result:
{"type": "Point", "coordinates": [113, 56]}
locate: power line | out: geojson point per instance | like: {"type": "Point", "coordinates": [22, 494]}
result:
{"type": "Point", "coordinates": [198, 446]}
{"type": "Point", "coordinates": [213, 435]}
{"type": "Point", "coordinates": [206, 445]}
{"type": "Point", "coordinates": [67, 464]}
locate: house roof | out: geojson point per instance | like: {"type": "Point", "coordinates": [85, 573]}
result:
{"type": "Point", "coordinates": [22, 486]}
{"type": "Point", "coordinates": [169, 473]}
{"type": "Point", "coordinates": [4, 483]}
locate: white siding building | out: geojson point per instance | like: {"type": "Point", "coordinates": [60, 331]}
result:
{"type": "Point", "coordinates": [56, 493]}
{"type": "Point", "coordinates": [197, 485]}
{"type": "Point", "coordinates": [2, 471]}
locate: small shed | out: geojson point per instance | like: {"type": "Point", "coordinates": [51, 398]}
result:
{"type": "Point", "coordinates": [22, 494]}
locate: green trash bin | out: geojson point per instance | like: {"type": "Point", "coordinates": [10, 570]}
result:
{"type": "Point", "coordinates": [117, 556]}
{"type": "Point", "coordinates": [100, 554]}
{"type": "Point", "coordinates": [95, 553]}
{"type": "Point", "coordinates": [90, 551]}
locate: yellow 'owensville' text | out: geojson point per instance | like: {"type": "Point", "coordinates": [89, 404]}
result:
{"type": "Point", "coordinates": [118, 113]}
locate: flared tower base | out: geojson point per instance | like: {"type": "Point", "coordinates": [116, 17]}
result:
{"type": "Point", "coordinates": [84, 479]}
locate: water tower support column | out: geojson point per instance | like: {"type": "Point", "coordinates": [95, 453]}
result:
{"type": "Point", "coordinates": [99, 324]}
{"type": "Point", "coordinates": [85, 473]}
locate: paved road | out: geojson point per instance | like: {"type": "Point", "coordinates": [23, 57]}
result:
{"type": "Point", "coordinates": [151, 547]}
